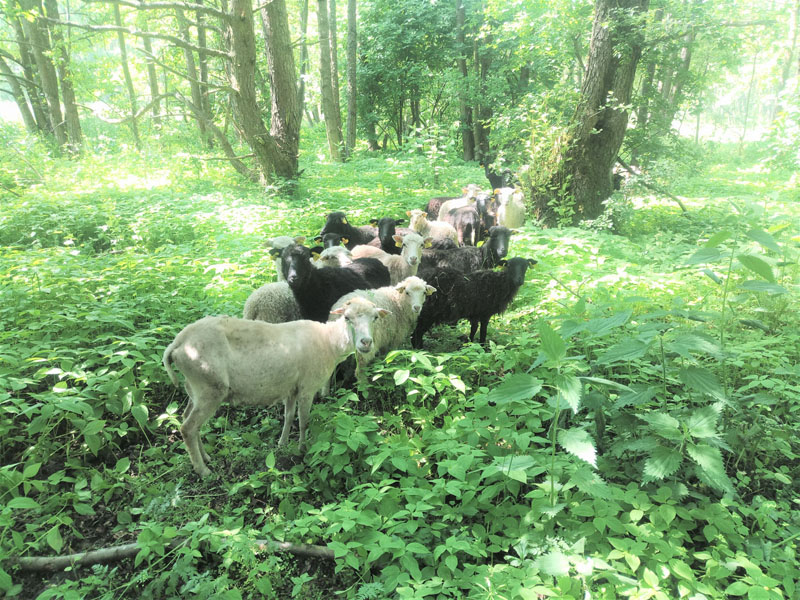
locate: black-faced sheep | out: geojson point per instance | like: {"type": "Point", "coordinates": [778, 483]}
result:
{"type": "Point", "coordinates": [403, 302]}
{"type": "Point", "coordinates": [272, 303]}
{"type": "Point", "coordinates": [336, 222]}
{"type": "Point", "coordinates": [474, 296]}
{"type": "Point", "coordinates": [387, 229]}
{"type": "Point", "coordinates": [402, 266]}
{"type": "Point", "coordinates": [279, 243]}
{"type": "Point", "coordinates": [331, 239]}
{"type": "Point", "coordinates": [251, 362]}
{"type": "Point", "coordinates": [436, 230]}
{"type": "Point", "coordinates": [316, 289]}
{"type": "Point", "coordinates": [470, 258]}
{"type": "Point", "coordinates": [371, 269]}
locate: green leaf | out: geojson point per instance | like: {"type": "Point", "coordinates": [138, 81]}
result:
{"type": "Point", "coordinates": [709, 461]}
{"type": "Point", "coordinates": [717, 239]}
{"type": "Point", "coordinates": [140, 413]}
{"type": "Point", "coordinates": [704, 255]}
{"type": "Point", "coordinates": [737, 588]}
{"type": "Point", "coordinates": [773, 289]}
{"type": "Point", "coordinates": [570, 390]}
{"type": "Point", "coordinates": [22, 503]}
{"type": "Point", "coordinates": [662, 463]}
{"type": "Point", "coordinates": [553, 345]}
{"type": "Point", "coordinates": [712, 276]}
{"type": "Point", "coordinates": [31, 470]}
{"type": "Point", "coordinates": [663, 424]}
{"type": "Point", "coordinates": [417, 548]}
{"type": "Point", "coordinates": [578, 443]}
{"type": "Point", "coordinates": [451, 562]}
{"type": "Point", "coordinates": [765, 239]}
{"type": "Point", "coordinates": [635, 398]}
{"type": "Point", "coordinates": [703, 381]}
{"type": "Point", "coordinates": [54, 539]}
{"type": "Point", "coordinates": [400, 376]}
{"type": "Point", "coordinates": [554, 563]}
{"type": "Point", "coordinates": [681, 569]}
{"type": "Point", "coordinates": [757, 266]}
{"type": "Point", "coordinates": [598, 327]}
{"type": "Point", "coordinates": [339, 549]}
{"type": "Point", "coordinates": [702, 423]}
{"type": "Point", "coordinates": [93, 427]}
{"type": "Point", "coordinates": [624, 351]}
{"type": "Point", "coordinates": [515, 388]}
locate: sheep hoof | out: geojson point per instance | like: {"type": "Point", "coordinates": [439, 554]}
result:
{"type": "Point", "coordinates": [203, 472]}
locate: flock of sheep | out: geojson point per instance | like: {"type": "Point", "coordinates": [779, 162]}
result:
{"type": "Point", "coordinates": [364, 290]}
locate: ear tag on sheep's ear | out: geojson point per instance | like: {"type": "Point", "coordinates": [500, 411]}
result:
{"type": "Point", "coordinates": [315, 255]}
{"type": "Point", "coordinates": [532, 262]}
{"type": "Point", "coordinates": [318, 238]}
{"type": "Point", "coordinates": [344, 220]}
{"type": "Point", "coordinates": [275, 253]}
{"type": "Point", "coordinates": [479, 244]}
{"type": "Point", "coordinates": [429, 290]}
{"type": "Point", "coordinates": [408, 213]}
{"type": "Point", "coordinates": [398, 243]}
{"type": "Point", "coordinates": [345, 240]}
{"type": "Point", "coordinates": [427, 245]}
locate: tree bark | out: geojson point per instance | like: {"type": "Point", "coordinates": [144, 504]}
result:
{"type": "Point", "coordinates": [31, 80]}
{"type": "Point", "coordinates": [61, 54]}
{"type": "Point", "coordinates": [152, 79]}
{"type": "Point", "coordinates": [36, 34]}
{"type": "Point", "coordinates": [202, 60]}
{"type": "Point", "coordinates": [126, 72]}
{"type": "Point", "coordinates": [481, 113]}
{"type": "Point", "coordinates": [19, 96]}
{"type": "Point", "coordinates": [301, 85]}
{"type": "Point", "coordinates": [352, 84]}
{"type": "Point", "coordinates": [465, 111]}
{"type": "Point", "coordinates": [334, 57]}
{"type": "Point", "coordinates": [581, 178]}
{"type": "Point", "coordinates": [192, 72]}
{"type": "Point", "coordinates": [330, 110]}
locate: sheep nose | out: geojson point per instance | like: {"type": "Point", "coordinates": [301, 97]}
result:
{"type": "Point", "coordinates": [365, 344]}
{"type": "Point", "coordinates": [416, 308]}
{"type": "Point", "coordinates": [412, 260]}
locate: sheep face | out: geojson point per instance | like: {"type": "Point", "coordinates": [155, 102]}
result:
{"type": "Point", "coordinates": [331, 239]}
{"type": "Point", "coordinates": [360, 315]}
{"type": "Point", "coordinates": [413, 244]}
{"type": "Point", "coordinates": [296, 264]}
{"type": "Point", "coordinates": [516, 269]}
{"type": "Point", "coordinates": [414, 290]}
{"type": "Point", "coordinates": [497, 244]}
{"type": "Point", "coordinates": [418, 219]}
{"type": "Point", "coordinates": [335, 256]}
{"type": "Point", "coordinates": [336, 222]}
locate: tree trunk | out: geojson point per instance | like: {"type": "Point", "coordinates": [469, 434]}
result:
{"type": "Point", "coordinates": [334, 57]}
{"type": "Point", "coordinates": [748, 99]}
{"type": "Point", "coordinates": [786, 60]}
{"type": "Point", "coordinates": [301, 86]}
{"type": "Point", "coordinates": [152, 79]}
{"type": "Point", "coordinates": [31, 81]}
{"type": "Point", "coordinates": [352, 57]}
{"type": "Point", "coordinates": [330, 110]}
{"type": "Point", "coordinates": [481, 113]}
{"type": "Point", "coordinates": [126, 72]}
{"type": "Point", "coordinates": [202, 59]}
{"type": "Point", "coordinates": [36, 34]}
{"type": "Point", "coordinates": [61, 53]}
{"type": "Point", "coordinates": [581, 179]}
{"type": "Point", "coordinates": [193, 76]}
{"type": "Point", "coordinates": [19, 96]}
{"type": "Point", "coordinates": [465, 111]}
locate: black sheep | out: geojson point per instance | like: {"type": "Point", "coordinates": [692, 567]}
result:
{"type": "Point", "coordinates": [470, 258]}
{"type": "Point", "coordinates": [336, 222]}
{"type": "Point", "coordinates": [467, 222]}
{"type": "Point", "coordinates": [387, 229]}
{"type": "Point", "coordinates": [434, 204]}
{"type": "Point", "coordinates": [331, 239]}
{"type": "Point", "coordinates": [474, 296]}
{"type": "Point", "coordinates": [486, 205]}
{"type": "Point", "coordinates": [371, 269]}
{"type": "Point", "coordinates": [316, 290]}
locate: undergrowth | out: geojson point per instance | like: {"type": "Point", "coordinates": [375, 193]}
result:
{"type": "Point", "coordinates": [632, 431]}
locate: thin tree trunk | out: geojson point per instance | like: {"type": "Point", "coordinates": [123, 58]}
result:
{"type": "Point", "coordinates": [194, 79]}
{"type": "Point", "coordinates": [126, 72]}
{"type": "Point", "coordinates": [352, 57]}
{"type": "Point", "coordinates": [330, 110]}
{"type": "Point", "coordinates": [31, 80]}
{"type": "Point", "coordinates": [61, 53]}
{"type": "Point", "coordinates": [36, 34]}
{"type": "Point", "coordinates": [465, 111]}
{"type": "Point", "coordinates": [202, 59]}
{"type": "Point", "coordinates": [334, 57]}
{"type": "Point", "coordinates": [481, 113]}
{"type": "Point", "coordinates": [748, 99]}
{"type": "Point", "coordinates": [152, 79]}
{"type": "Point", "coordinates": [19, 97]}
{"type": "Point", "coordinates": [301, 86]}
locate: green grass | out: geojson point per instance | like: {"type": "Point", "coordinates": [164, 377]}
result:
{"type": "Point", "coordinates": [631, 433]}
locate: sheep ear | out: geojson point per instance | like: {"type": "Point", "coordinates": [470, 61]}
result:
{"type": "Point", "coordinates": [502, 262]}
{"type": "Point", "coordinates": [408, 213]}
{"type": "Point", "coordinates": [338, 311]}
{"type": "Point", "coordinates": [300, 239]}
{"type": "Point", "coordinates": [382, 312]}
{"type": "Point", "coordinates": [317, 239]}
{"type": "Point", "coordinates": [344, 220]}
{"type": "Point", "coordinates": [345, 240]}
{"type": "Point", "coordinates": [399, 221]}
{"type": "Point", "coordinates": [398, 241]}
{"type": "Point", "coordinates": [515, 230]}
{"type": "Point", "coordinates": [428, 242]}
{"type": "Point", "coordinates": [373, 221]}
{"type": "Point", "coordinates": [400, 288]}
{"type": "Point", "coordinates": [532, 262]}
{"type": "Point", "coordinates": [275, 253]}
{"type": "Point", "coordinates": [429, 289]}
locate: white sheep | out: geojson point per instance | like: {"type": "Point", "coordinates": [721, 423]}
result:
{"type": "Point", "coordinates": [256, 363]}
{"type": "Point", "coordinates": [280, 243]}
{"type": "Point", "coordinates": [510, 207]}
{"type": "Point", "coordinates": [403, 303]}
{"type": "Point", "coordinates": [468, 196]}
{"type": "Point", "coordinates": [437, 230]}
{"type": "Point", "coordinates": [272, 303]}
{"type": "Point", "coordinates": [400, 266]}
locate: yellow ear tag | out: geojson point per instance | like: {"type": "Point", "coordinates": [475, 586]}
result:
{"type": "Point", "coordinates": [315, 255]}
{"type": "Point", "coordinates": [345, 240]}
{"type": "Point", "coordinates": [428, 244]}
{"type": "Point", "coordinates": [344, 220]}
{"type": "Point", "coordinates": [398, 244]}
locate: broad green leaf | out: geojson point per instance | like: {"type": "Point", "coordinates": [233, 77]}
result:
{"type": "Point", "coordinates": [93, 427]}
{"type": "Point", "coordinates": [607, 382]}
{"type": "Point", "coordinates": [737, 588]}
{"type": "Point", "coordinates": [451, 562]}
{"type": "Point", "coordinates": [599, 327]}
{"type": "Point", "coordinates": [22, 503]}
{"type": "Point", "coordinates": [711, 468]}
{"type": "Point", "coordinates": [578, 443]}
{"type": "Point", "coordinates": [686, 343]}
{"type": "Point", "coordinates": [400, 376]}
{"type": "Point", "coordinates": [624, 351]}
{"type": "Point", "coordinates": [635, 398]}
{"type": "Point", "coordinates": [712, 276]}
{"type": "Point", "coordinates": [773, 289]}
{"type": "Point", "coordinates": [702, 423]}
{"type": "Point", "coordinates": [570, 390]}
{"type": "Point", "coordinates": [703, 381]}
{"type": "Point", "coordinates": [681, 569]}
{"type": "Point", "coordinates": [590, 482]}
{"type": "Point", "coordinates": [663, 424]}
{"type": "Point", "coordinates": [140, 413]}
{"type": "Point", "coordinates": [662, 463]}
{"type": "Point", "coordinates": [553, 345]}
{"type": "Point", "coordinates": [339, 549]}
{"type": "Point", "coordinates": [554, 563]}
{"type": "Point", "coordinates": [703, 256]}
{"type": "Point", "coordinates": [54, 539]}
{"type": "Point", "coordinates": [417, 548]}
{"type": "Point", "coordinates": [757, 266]}
{"type": "Point", "coordinates": [31, 470]}
{"type": "Point", "coordinates": [514, 388]}
{"type": "Point", "coordinates": [717, 239]}
{"type": "Point", "coordinates": [765, 239]}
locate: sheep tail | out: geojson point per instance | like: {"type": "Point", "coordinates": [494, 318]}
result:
{"type": "Point", "coordinates": [167, 360]}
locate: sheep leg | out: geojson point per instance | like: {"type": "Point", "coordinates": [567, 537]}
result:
{"type": "Point", "coordinates": [484, 327]}
{"type": "Point", "coordinates": [473, 328]}
{"type": "Point", "coordinates": [187, 413]}
{"type": "Point", "coordinates": [199, 411]}
{"type": "Point", "coordinates": [302, 415]}
{"type": "Point", "coordinates": [289, 408]}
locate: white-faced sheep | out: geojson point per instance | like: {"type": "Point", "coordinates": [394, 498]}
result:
{"type": "Point", "coordinates": [436, 230]}
{"type": "Point", "coordinates": [475, 296]}
{"type": "Point", "coordinates": [336, 222]}
{"type": "Point", "coordinates": [251, 362]}
{"type": "Point", "coordinates": [403, 302]}
{"type": "Point", "coordinates": [371, 269]}
{"type": "Point", "coordinates": [272, 303]}
{"type": "Point", "coordinates": [435, 204]}
{"type": "Point", "coordinates": [469, 258]}
{"type": "Point", "coordinates": [316, 289]}
{"type": "Point", "coordinates": [402, 266]}
{"type": "Point", "coordinates": [279, 243]}
{"type": "Point", "coordinates": [510, 207]}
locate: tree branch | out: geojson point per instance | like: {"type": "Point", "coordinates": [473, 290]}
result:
{"type": "Point", "coordinates": [653, 187]}
{"type": "Point", "coordinates": [703, 26]}
{"type": "Point", "coordinates": [117, 553]}
{"type": "Point", "coordinates": [209, 10]}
